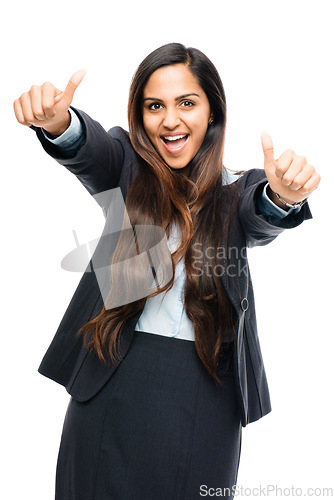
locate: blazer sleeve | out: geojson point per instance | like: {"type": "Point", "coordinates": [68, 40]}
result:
{"type": "Point", "coordinates": [97, 162]}
{"type": "Point", "coordinates": [260, 229]}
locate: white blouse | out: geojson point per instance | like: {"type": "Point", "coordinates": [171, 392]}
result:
{"type": "Point", "coordinates": [164, 314]}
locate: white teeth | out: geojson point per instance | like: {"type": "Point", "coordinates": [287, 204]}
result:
{"type": "Point", "coordinates": [174, 137]}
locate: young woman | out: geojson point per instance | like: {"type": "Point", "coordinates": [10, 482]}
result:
{"type": "Point", "coordinates": [162, 383]}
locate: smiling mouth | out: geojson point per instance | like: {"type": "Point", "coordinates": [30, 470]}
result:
{"type": "Point", "coordinates": [176, 143]}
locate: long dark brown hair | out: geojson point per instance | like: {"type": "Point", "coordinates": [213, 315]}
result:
{"type": "Point", "coordinates": [197, 201]}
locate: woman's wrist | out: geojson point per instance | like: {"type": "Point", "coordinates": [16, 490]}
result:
{"type": "Point", "coordinates": [272, 196]}
{"type": "Point", "coordinates": [58, 129]}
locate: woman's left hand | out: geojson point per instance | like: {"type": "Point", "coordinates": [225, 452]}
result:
{"type": "Point", "coordinates": [290, 176]}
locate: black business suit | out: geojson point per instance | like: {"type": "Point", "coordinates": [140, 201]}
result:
{"type": "Point", "coordinates": [103, 162]}
{"type": "Point", "coordinates": [107, 161]}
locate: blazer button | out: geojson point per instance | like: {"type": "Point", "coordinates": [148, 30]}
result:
{"type": "Point", "coordinates": [244, 304]}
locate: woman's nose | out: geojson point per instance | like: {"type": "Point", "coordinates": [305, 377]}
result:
{"type": "Point", "coordinates": [171, 118]}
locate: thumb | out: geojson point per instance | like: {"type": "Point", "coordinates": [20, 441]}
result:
{"type": "Point", "coordinates": [268, 150]}
{"type": "Point", "coordinates": [73, 84]}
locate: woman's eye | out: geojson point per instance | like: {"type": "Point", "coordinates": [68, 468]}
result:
{"type": "Point", "coordinates": [187, 104]}
{"type": "Point", "coordinates": [154, 106]}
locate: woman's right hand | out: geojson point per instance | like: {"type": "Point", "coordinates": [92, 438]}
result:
{"type": "Point", "coordinates": [46, 107]}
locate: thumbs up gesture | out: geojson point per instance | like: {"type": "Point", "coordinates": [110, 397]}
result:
{"type": "Point", "coordinates": [46, 107]}
{"type": "Point", "coordinates": [290, 175]}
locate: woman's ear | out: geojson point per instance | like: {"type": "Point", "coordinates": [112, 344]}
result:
{"type": "Point", "coordinates": [211, 118]}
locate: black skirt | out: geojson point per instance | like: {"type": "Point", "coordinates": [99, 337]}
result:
{"type": "Point", "coordinates": [161, 428]}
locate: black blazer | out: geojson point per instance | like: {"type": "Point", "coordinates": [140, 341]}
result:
{"type": "Point", "coordinates": [106, 160]}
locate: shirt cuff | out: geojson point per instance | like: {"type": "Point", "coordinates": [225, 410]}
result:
{"type": "Point", "coordinates": [268, 207]}
{"type": "Point", "coordinates": [71, 135]}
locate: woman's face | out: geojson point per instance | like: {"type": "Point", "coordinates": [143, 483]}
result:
{"type": "Point", "coordinates": [176, 114]}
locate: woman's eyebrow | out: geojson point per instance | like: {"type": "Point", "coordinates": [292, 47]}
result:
{"type": "Point", "coordinates": [185, 95]}
{"type": "Point", "coordinates": [176, 98]}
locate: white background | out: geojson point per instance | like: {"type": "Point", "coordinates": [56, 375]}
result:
{"type": "Point", "coordinates": [275, 59]}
